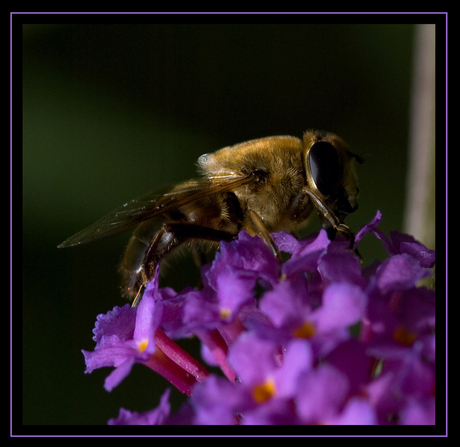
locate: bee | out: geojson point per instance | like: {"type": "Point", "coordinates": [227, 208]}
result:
{"type": "Point", "coordinates": [260, 186]}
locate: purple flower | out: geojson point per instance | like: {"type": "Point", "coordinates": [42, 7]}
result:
{"type": "Point", "coordinates": [278, 368]}
{"type": "Point", "coordinates": [400, 243]}
{"type": "Point", "coordinates": [316, 339]}
{"type": "Point", "coordinates": [156, 416]}
{"type": "Point", "coordinates": [405, 387]}
{"type": "Point", "coordinates": [217, 402]}
{"type": "Point", "coordinates": [247, 254]}
{"type": "Point", "coordinates": [121, 341]}
{"type": "Point", "coordinates": [357, 411]}
{"type": "Point", "coordinates": [261, 394]}
{"type": "Point", "coordinates": [132, 335]}
{"type": "Point", "coordinates": [395, 320]}
{"type": "Point", "coordinates": [306, 255]}
{"type": "Point", "coordinates": [420, 412]}
{"type": "Point", "coordinates": [322, 394]}
{"type": "Point", "coordinates": [353, 359]}
{"type": "Point", "coordinates": [341, 267]}
{"type": "Point", "coordinates": [399, 272]}
{"type": "Point", "coordinates": [294, 316]}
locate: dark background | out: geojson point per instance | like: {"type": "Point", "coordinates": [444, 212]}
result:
{"type": "Point", "coordinates": [111, 111]}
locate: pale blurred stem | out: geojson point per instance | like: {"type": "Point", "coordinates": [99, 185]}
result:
{"type": "Point", "coordinates": [419, 219]}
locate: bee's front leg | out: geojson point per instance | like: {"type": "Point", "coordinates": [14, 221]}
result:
{"type": "Point", "coordinates": [261, 229]}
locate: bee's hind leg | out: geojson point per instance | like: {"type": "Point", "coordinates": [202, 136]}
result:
{"type": "Point", "coordinates": [167, 238]}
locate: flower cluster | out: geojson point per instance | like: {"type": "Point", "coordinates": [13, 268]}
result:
{"type": "Point", "coordinates": [316, 339]}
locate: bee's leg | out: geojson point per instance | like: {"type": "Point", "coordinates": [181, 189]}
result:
{"type": "Point", "coordinates": [330, 229]}
{"type": "Point", "coordinates": [331, 222]}
{"type": "Point", "coordinates": [167, 238]}
{"type": "Point", "coordinates": [351, 237]}
{"type": "Point", "coordinates": [325, 212]}
{"type": "Point", "coordinates": [345, 229]}
{"type": "Point", "coordinates": [264, 234]}
{"type": "Point", "coordinates": [137, 298]}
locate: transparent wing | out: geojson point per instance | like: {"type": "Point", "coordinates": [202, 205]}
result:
{"type": "Point", "coordinates": [153, 204]}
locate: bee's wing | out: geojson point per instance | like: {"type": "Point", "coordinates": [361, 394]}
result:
{"type": "Point", "coordinates": [153, 204]}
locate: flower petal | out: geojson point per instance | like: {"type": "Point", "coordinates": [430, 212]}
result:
{"type": "Point", "coordinates": [343, 306]}
{"type": "Point", "coordinates": [400, 272]}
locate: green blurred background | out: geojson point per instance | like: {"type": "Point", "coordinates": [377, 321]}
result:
{"type": "Point", "coordinates": [112, 111]}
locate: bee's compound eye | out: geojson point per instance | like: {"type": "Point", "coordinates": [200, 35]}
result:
{"type": "Point", "coordinates": [326, 168]}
